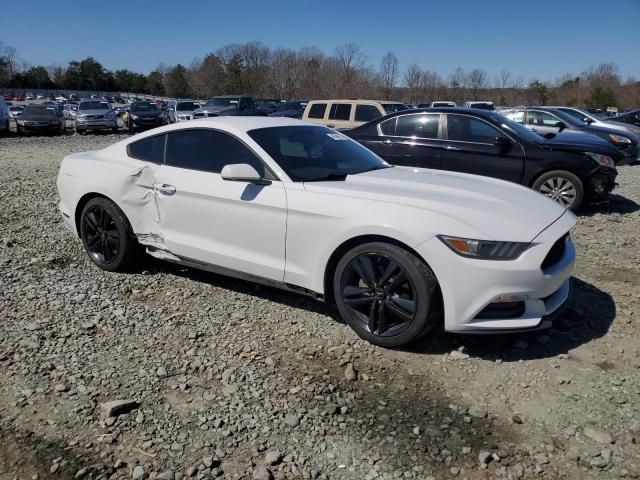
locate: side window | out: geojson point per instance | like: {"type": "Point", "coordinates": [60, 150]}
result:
{"type": "Point", "coordinates": [208, 151]}
{"type": "Point", "coordinates": [340, 111]}
{"type": "Point", "coordinates": [317, 110]}
{"type": "Point", "coordinates": [515, 115]}
{"type": "Point", "coordinates": [542, 119]}
{"type": "Point", "coordinates": [421, 126]}
{"type": "Point", "coordinates": [366, 113]}
{"type": "Point", "coordinates": [469, 129]}
{"type": "Point", "coordinates": [150, 149]}
{"type": "Point", "coordinates": [388, 127]}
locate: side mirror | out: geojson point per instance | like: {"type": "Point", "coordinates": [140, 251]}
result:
{"type": "Point", "coordinates": [243, 172]}
{"type": "Point", "coordinates": [503, 143]}
{"type": "Point", "coordinates": [587, 120]}
{"type": "Point", "coordinates": [561, 126]}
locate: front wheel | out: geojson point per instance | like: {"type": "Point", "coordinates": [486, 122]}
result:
{"type": "Point", "coordinates": [385, 293]}
{"type": "Point", "coordinates": [561, 186]}
{"type": "Point", "coordinates": [107, 235]}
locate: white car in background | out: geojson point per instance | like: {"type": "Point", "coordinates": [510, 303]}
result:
{"type": "Point", "coordinates": [303, 207]}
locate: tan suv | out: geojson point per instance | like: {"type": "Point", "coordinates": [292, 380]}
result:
{"type": "Point", "coordinates": [348, 113]}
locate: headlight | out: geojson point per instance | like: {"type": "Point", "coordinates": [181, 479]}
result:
{"type": "Point", "coordinates": [133, 117]}
{"type": "Point", "coordinates": [485, 249]}
{"type": "Point", "coordinates": [601, 159]}
{"type": "Point", "coordinates": [81, 117]}
{"type": "Point", "coordinates": [619, 139]}
{"type": "Point", "coordinates": [20, 122]}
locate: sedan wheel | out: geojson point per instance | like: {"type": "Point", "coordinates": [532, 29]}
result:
{"type": "Point", "coordinates": [562, 187]}
{"type": "Point", "coordinates": [106, 235]}
{"type": "Point", "coordinates": [384, 293]}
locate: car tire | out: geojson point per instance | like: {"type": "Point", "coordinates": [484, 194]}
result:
{"type": "Point", "coordinates": [107, 236]}
{"type": "Point", "coordinates": [561, 186]}
{"type": "Point", "coordinates": [385, 294]}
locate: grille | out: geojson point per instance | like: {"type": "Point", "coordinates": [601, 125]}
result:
{"type": "Point", "coordinates": [556, 253]}
{"type": "Point", "coordinates": [199, 115]}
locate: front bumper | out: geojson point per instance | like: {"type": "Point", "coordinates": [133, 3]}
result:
{"type": "Point", "coordinates": [39, 127]}
{"type": "Point", "coordinates": [600, 183]}
{"type": "Point", "coordinates": [146, 122]}
{"type": "Point", "coordinates": [469, 286]}
{"type": "Point", "coordinates": [99, 124]}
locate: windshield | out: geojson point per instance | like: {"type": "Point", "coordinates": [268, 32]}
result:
{"type": "Point", "coordinates": [516, 129]}
{"type": "Point", "coordinates": [394, 107]}
{"type": "Point", "coordinates": [186, 106]}
{"type": "Point", "coordinates": [144, 107]}
{"type": "Point", "coordinates": [568, 119]}
{"type": "Point", "coordinates": [223, 102]}
{"type": "Point", "coordinates": [94, 106]}
{"type": "Point", "coordinates": [577, 114]}
{"type": "Point", "coordinates": [314, 153]}
{"type": "Point", "coordinates": [290, 106]}
{"type": "Point", "coordinates": [36, 110]}
{"type": "Point", "coordinates": [443, 104]}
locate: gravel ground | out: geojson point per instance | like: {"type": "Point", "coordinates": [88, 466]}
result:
{"type": "Point", "coordinates": [222, 378]}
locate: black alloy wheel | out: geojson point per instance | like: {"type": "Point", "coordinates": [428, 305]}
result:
{"type": "Point", "coordinates": [385, 294]}
{"type": "Point", "coordinates": [107, 236]}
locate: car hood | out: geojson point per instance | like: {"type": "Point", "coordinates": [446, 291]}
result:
{"type": "Point", "coordinates": [146, 114]}
{"type": "Point", "coordinates": [215, 109]}
{"type": "Point", "coordinates": [497, 209]}
{"type": "Point", "coordinates": [620, 126]}
{"type": "Point", "coordinates": [582, 141]}
{"type": "Point", "coordinates": [38, 118]}
{"type": "Point", "coordinates": [601, 129]}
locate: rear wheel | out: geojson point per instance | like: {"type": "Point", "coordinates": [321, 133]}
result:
{"type": "Point", "coordinates": [385, 293]}
{"type": "Point", "coordinates": [561, 186]}
{"type": "Point", "coordinates": [107, 236]}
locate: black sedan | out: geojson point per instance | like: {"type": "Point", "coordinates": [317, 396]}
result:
{"type": "Point", "coordinates": [549, 121]}
{"type": "Point", "coordinates": [292, 109]}
{"type": "Point", "coordinates": [143, 115]}
{"type": "Point", "coordinates": [486, 143]}
{"type": "Point", "coordinates": [40, 119]}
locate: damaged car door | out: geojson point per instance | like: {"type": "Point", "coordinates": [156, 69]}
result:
{"type": "Point", "coordinates": [237, 225]}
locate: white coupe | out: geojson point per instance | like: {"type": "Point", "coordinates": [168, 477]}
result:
{"type": "Point", "coordinates": [303, 207]}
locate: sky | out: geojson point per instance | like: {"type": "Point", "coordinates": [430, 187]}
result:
{"type": "Point", "coordinates": [537, 40]}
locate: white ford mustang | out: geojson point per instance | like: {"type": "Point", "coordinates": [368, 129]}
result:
{"type": "Point", "coordinates": [303, 207]}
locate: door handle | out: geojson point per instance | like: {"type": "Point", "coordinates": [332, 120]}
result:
{"type": "Point", "coordinates": [166, 189]}
{"type": "Point", "coordinates": [451, 147]}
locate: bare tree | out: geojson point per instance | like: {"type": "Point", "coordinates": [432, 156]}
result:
{"type": "Point", "coordinates": [413, 80]}
{"type": "Point", "coordinates": [350, 58]}
{"type": "Point", "coordinates": [431, 85]}
{"type": "Point", "coordinates": [477, 81]}
{"type": "Point", "coordinates": [502, 79]}
{"type": "Point", "coordinates": [457, 83]}
{"type": "Point", "coordinates": [388, 73]}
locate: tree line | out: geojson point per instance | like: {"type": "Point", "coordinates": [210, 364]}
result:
{"type": "Point", "coordinates": [256, 69]}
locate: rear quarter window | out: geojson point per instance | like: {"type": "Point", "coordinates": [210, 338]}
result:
{"type": "Point", "coordinates": [148, 150]}
{"type": "Point", "coordinates": [317, 110]}
{"type": "Point", "coordinates": [340, 111]}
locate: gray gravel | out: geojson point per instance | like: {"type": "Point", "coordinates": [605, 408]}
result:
{"type": "Point", "coordinates": [217, 378]}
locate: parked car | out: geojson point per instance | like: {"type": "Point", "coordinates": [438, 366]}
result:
{"type": "Point", "coordinates": [40, 119]}
{"type": "Point", "coordinates": [569, 169]}
{"type": "Point", "coordinates": [4, 116]}
{"type": "Point", "coordinates": [267, 106]}
{"type": "Point", "coordinates": [61, 99]}
{"type": "Point", "coordinates": [29, 96]}
{"type": "Point", "coordinates": [7, 96]}
{"type": "Point", "coordinates": [227, 105]}
{"type": "Point", "coordinates": [548, 122]}
{"type": "Point", "coordinates": [144, 115]}
{"type": "Point", "coordinates": [480, 105]}
{"type": "Point", "coordinates": [181, 110]}
{"type": "Point", "coordinates": [40, 96]}
{"type": "Point", "coordinates": [632, 117]}
{"type": "Point", "coordinates": [69, 112]}
{"type": "Point", "coordinates": [15, 111]}
{"type": "Point", "coordinates": [345, 114]}
{"type": "Point", "coordinates": [592, 119]}
{"type": "Point", "coordinates": [399, 250]}
{"type": "Point", "coordinates": [95, 115]}
{"type": "Point", "coordinates": [292, 109]}
{"type": "Point", "coordinates": [19, 97]}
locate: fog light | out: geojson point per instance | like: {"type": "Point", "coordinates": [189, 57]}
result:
{"type": "Point", "coordinates": [509, 298]}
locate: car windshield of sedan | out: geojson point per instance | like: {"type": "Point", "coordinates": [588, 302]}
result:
{"type": "Point", "coordinates": [94, 106]}
{"type": "Point", "coordinates": [516, 129]}
{"type": "Point", "coordinates": [222, 102]}
{"type": "Point", "coordinates": [144, 107]}
{"type": "Point", "coordinates": [186, 106]}
{"type": "Point", "coordinates": [568, 119]}
{"type": "Point", "coordinates": [289, 106]}
{"type": "Point", "coordinates": [309, 153]}
{"type": "Point", "coordinates": [394, 107]}
{"type": "Point", "coordinates": [34, 110]}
